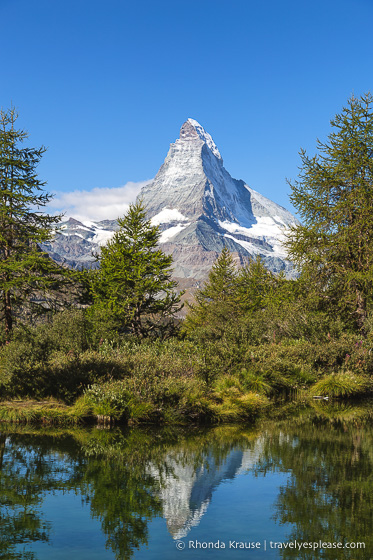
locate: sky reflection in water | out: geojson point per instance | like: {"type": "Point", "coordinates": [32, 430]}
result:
{"type": "Point", "coordinates": [97, 494]}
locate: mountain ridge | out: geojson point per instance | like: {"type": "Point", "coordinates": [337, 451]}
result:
{"type": "Point", "coordinates": [199, 209]}
{"type": "Point", "coordinates": [217, 210]}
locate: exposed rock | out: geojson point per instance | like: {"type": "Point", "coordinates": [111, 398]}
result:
{"type": "Point", "coordinates": [77, 243]}
{"type": "Point", "coordinates": [199, 208]}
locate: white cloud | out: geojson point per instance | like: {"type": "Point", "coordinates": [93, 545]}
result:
{"type": "Point", "coordinates": [97, 204]}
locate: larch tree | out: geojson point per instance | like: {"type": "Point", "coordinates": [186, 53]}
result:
{"type": "Point", "coordinates": [333, 247]}
{"type": "Point", "coordinates": [216, 303]}
{"type": "Point", "coordinates": [134, 281]}
{"type": "Point", "coordinates": [26, 272]}
{"type": "Point", "coordinates": [256, 285]}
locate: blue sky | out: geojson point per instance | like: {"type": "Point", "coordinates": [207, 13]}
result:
{"type": "Point", "coordinates": [106, 85]}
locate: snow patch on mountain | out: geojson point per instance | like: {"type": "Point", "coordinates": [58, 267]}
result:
{"type": "Point", "coordinates": [89, 224]}
{"type": "Point", "coordinates": [168, 215]}
{"type": "Point", "coordinates": [102, 236]}
{"type": "Point", "coordinates": [171, 232]}
{"type": "Point", "coordinates": [265, 226]}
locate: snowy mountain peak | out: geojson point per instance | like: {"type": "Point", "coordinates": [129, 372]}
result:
{"type": "Point", "coordinates": [192, 130]}
{"type": "Point", "coordinates": [199, 208]}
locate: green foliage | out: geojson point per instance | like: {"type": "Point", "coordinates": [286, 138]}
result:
{"type": "Point", "coordinates": [28, 277]}
{"type": "Point", "coordinates": [257, 287]}
{"type": "Point", "coordinates": [102, 325]}
{"type": "Point", "coordinates": [343, 384]}
{"type": "Point", "coordinates": [273, 368]}
{"type": "Point", "coordinates": [169, 399]}
{"type": "Point", "coordinates": [134, 278]}
{"type": "Point", "coordinates": [215, 307]}
{"type": "Point", "coordinates": [62, 375]}
{"type": "Point", "coordinates": [54, 359]}
{"type": "Point", "coordinates": [254, 305]}
{"type": "Point", "coordinates": [255, 383]}
{"type": "Point", "coordinates": [109, 399]}
{"type": "Point", "coordinates": [168, 379]}
{"type": "Point", "coordinates": [334, 196]}
{"type": "Point", "coordinates": [46, 412]}
{"type": "Point", "coordinates": [67, 331]}
{"type": "Point", "coordinates": [234, 403]}
{"type": "Point", "coordinates": [160, 399]}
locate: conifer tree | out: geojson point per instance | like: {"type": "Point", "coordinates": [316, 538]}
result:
{"type": "Point", "coordinates": [134, 279]}
{"type": "Point", "coordinates": [26, 272]}
{"type": "Point", "coordinates": [256, 285]}
{"type": "Point", "coordinates": [334, 197]}
{"type": "Point", "coordinates": [216, 301]}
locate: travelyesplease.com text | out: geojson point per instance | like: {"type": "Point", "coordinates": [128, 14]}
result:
{"type": "Point", "coordinates": [267, 545]}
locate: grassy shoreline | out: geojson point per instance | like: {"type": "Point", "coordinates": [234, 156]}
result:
{"type": "Point", "coordinates": [37, 412]}
{"type": "Point", "coordinates": [55, 374]}
{"type": "Point", "coordinates": [51, 412]}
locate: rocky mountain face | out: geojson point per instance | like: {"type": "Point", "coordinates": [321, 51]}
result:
{"type": "Point", "coordinates": [199, 208]}
{"type": "Point", "coordinates": [77, 243]}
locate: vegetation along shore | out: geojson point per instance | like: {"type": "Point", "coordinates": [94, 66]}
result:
{"type": "Point", "coordinates": [109, 344]}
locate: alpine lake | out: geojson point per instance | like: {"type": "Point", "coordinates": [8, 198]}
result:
{"type": "Point", "coordinates": [297, 485]}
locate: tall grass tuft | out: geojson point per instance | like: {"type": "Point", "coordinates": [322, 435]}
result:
{"type": "Point", "coordinates": [343, 384]}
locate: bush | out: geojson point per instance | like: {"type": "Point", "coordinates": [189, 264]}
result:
{"type": "Point", "coordinates": [244, 407]}
{"type": "Point", "coordinates": [66, 331]}
{"type": "Point", "coordinates": [157, 399]}
{"type": "Point", "coordinates": [255, 383]}
{"type": "Point", "coordinates": [24, 373]}
{"type": "Point", "coordinates": [109, 399]}
{"type": "Point", "coordinates": [233, 402]}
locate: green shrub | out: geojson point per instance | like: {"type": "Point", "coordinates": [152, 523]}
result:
{"type": "Point", "coordinates": [21, 369]}
{"type": "Point", "coordinates": [159, 399]}
{"type": "Point", "coordinates": [66, 331]}
{"type": "Point", "coordinates": [60, 375]}
{"type": "Point", "coordinates": [109, 399]}
{"type": "Point", "coordinates": [244, 407]}
{"type": "Point", "coordinates": [228, 385]}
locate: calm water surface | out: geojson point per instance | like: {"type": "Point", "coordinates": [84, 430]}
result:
{"type": "Point", "coordinates": [197, 493]}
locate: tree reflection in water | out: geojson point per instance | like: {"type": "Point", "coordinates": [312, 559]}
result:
{"type": "Point", "coordinates": [128, 477]}
{"type": "Point", "coordinates": [120, 474]}
{"type": "Point", "coordinates": [329, 495]}
{"type": "Point", "coordinates": [29, 469]}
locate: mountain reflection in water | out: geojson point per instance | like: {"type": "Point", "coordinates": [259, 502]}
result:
{"type": "Point", "coordinates": [186, 490]}
{"type": "Point", "coordinates": [127, 479]}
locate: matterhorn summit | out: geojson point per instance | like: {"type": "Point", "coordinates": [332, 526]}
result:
{"type": "Point", "coordinates": [200, 209]}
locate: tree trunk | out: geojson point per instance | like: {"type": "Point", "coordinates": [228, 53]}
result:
{"type": "Point", "coordinates": [361, 312]}
{"type": "Point", "coordinates": [8, 316]}
{"type": "Point", "coordinates": [2, 449]}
